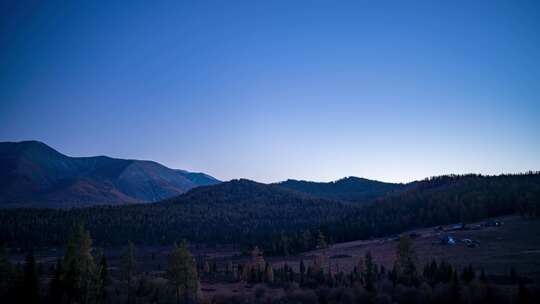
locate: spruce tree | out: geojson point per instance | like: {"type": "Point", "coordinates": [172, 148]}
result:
{"type": "Point", "coordinates": [30, 290]}
{"type": "Point", "coordinates": [468, 274]}
{"type": "Point", "coordinates": [129, 268]}
{"type": "Point", "coordinates": [55, 286]}
{"type": "Point", "coordinates": [6, 273]}
{"type": "Point", "coordinates": [268, 273]}
{"type": "Point", "coordinates": [369, 272]}
{"type": "Point", "coordinates": [302, 271]}
{"type": "Point", "coordinates": [104, 278]}
{"type": "Point", "coordinates": [78, 267]}
{"type": "Point", "coordinates": [483, 276]}
{"type": "Point", "coordinates": [321, 241]}
{"type": "Point", "coordinates": [406, 261]}
{"type": "Point", "coordinates": [182, 272]}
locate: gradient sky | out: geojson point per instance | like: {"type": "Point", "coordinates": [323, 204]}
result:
{"type": "Point", "coordinates": [270, 90]}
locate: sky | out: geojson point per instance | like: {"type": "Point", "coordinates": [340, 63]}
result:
{"type": "Point", "coordinates": [271, 90]}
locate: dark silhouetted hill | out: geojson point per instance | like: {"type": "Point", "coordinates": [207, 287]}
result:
{"type": "Point", "coordinates": [279, 220]}
{"type": "Point", "coordinates": [347, 189]}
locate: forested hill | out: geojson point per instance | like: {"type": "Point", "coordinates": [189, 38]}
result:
{"type": "Point", "coordinates": [348, 189]}
{"type": "Point", "coordinates": [279, 220]}
{"type": "Point", "coordinates": [244, 191]}
{"type": "Point", "coordinates": [443, 200]}
{"type": "Point", "coordinates": [238, 211]}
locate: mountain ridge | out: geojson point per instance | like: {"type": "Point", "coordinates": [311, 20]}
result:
{"type": "Point", "coordinates": [250, 213]}
{"type": "Point", "coordinates": [354, 189]}
{"type": "Point", "coordinates": [35, 175]}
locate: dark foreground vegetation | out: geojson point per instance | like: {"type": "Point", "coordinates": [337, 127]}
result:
{"type": "Point", "coordinates": [280, 221]}
{"type": "Point", "coordinates": [83, 275]}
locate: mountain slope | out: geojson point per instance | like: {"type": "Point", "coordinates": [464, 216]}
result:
{"type": "Point", "coordinates": [278, 220]}
{"type": "Point", "coordinates": [239, 211]}
{"type": "Point", "coordinates": [347, 189]}
{"type": "Point", "coordinates": [33, 174]}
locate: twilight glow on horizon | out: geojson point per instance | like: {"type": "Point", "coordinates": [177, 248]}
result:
{"type": "Point", "coordinates": [271, 90]}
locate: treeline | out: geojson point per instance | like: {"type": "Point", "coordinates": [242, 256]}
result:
{"type": "Point", "coordinates": [239, 212]}
{"type": "Point", "coordinates": [80, 278]}
{"type": "Point", "coordinates": [443, 200]}
{"type": "Point", "coordinates": [352, 189]}
{"type": "Point", "coordinates": [281, 221]}
{"type": "Point", "coordinates": [408, 281]}
{"type": "Point", "coordinates": [82, 275]}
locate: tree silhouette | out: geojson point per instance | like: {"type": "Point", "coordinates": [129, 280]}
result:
{"type": "Point", "coordinates": [30, 286]}
{"type": "Point", "coordinates": [182, 272]}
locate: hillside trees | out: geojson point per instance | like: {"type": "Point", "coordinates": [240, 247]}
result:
{"type": "Point", "coordinates": [280, 221]}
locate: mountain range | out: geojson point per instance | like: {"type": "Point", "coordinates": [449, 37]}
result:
{"type": "Point", "coordinates": [280, 220]}
{"type": "Point", "coordinates": [33, 174]}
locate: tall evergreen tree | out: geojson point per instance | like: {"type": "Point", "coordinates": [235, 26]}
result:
{"type": "Point", "coordinates": [468, 274]}
{"type": "Point", "coordinates": [78, 267]}
{"type": "Point", "coordinates": [302, 271]}
{"type": "Point", "coordinates": [321, 241]}
{"type": "Point", "coordinates": [182, 272]}
{"type": "Point", "coordinates": [129, 268]}
{"type": "Point", "coordinates": [406, 261]}
{"type": "Point", "coordinates": [30, 286]}
{"type": "Point", "coordinates": [6, 273]}
{"type": "Point", "coordinates": [103, 279]}
{"type": "Point", "coordinates": [268, 273]}
{"type": "Point", "coordinates": [55, 286]}
{"type": "Point", "coordinates": [369, 272]}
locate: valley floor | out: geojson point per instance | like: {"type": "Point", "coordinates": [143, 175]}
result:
{"type": "Point", "coordinates": [515, 243]}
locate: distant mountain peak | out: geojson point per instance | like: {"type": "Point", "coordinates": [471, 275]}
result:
{"type": "Point", "coordinates": [33, 174]}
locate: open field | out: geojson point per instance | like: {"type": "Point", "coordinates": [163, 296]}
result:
{"type": "Point", "coordinates": [516, 243]}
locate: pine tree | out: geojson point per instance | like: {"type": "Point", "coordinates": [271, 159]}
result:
{"type": "Point", "coordinates": [513, 275]}
{"type": "Point", "coordinates": [302, 271]}
{"type": "Point", "coordinates": [369, 273]}
{"type": "Point", "coordinates": [284, 244]}
{"type": "Point", "coordinates": [6, 273]}
{"type": "Point", "coordinates": [360, 269]}
{"type": "Point", "coordinates": [206, 267]}
{"type": "Point", "coordinates": [454, 288]}
{"type": "Point", "coordinates": [483, 276]}
{"type": "Point", "coordinates": [393, 275]}
{"type": "Point", "coordinates": [182, 272]}
{"type": "Point", "coordinates": [78, 266]}
{"type": "Point", "coordinates": [104, 278]}
{"type": "Point", "coordinates": [524, 295]}
{"type": "Point", "coordinates": [321, 241]}
{"type": "Point", "coordinates": [268, 273]}
{"type": "Point", "coordinates": [55, 286]}
{"type": "Point", "coordinates": [129, 267]}
{"type": "Point", "coordinates": [406, 262]}
{"type": "Point", "coordinates": [468, 274]}
{"type": "Point", "coordinates": [229, 270]}
{"type": "Point", "coordinates": [30, 290]}
{"type": "Point", "coordinates": [307, 240]}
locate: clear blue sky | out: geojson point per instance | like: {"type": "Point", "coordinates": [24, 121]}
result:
{"type": "Point", "coordinates": [269, 90]}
